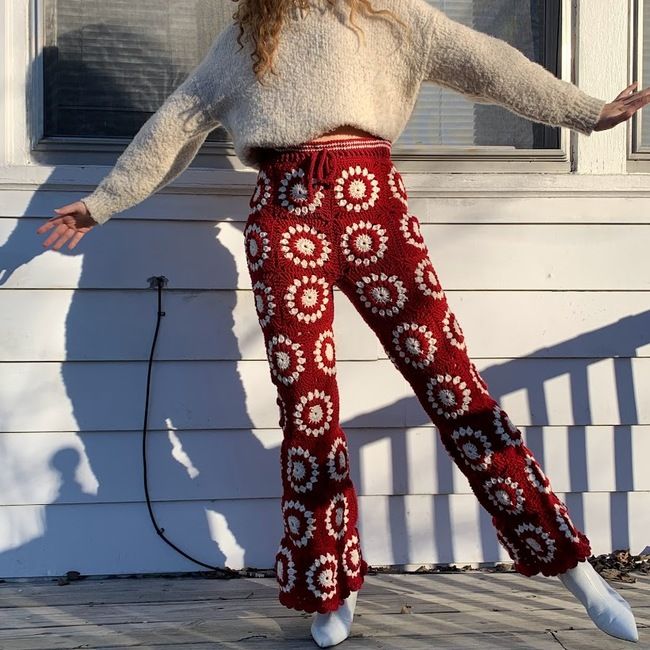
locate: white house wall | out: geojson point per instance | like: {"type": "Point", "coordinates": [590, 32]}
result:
{"type": "Point", "coordinates": [547, 273]}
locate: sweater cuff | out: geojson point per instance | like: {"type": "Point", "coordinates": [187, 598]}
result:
{"type": "Point", "coordinates": [584, 112]}
{"type": "Point", "coordinates": [99, 211]}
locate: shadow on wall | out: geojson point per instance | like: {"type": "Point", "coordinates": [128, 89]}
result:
{"type": "Point", "coordinates": [85, 497]}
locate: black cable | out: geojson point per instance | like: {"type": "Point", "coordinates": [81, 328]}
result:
{"type": "Point", "coordinates": [159, 281]}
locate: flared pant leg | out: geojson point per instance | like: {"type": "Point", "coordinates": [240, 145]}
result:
{"type": "Point", "coordinates": [290, 260]}
{"type": "Point", "coordinates": [398, 293]}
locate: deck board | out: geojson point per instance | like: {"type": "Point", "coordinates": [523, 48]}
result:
{"type": "Point", "coordinates": [464, 610]}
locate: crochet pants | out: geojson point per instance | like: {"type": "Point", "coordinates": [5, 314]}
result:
{"type": "Point", "coordinates": [335, 213]}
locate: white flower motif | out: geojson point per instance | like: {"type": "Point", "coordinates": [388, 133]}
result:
{"type": "Point", "coordinates": [337, 460]}
{"type": "Point", "coordinates": [324, 353]}
{"type": "Point", "coordinates": [297, 459]}
{"type": "Point", "coordinates": [426, 279]}
{"type": "Point", "coordinates": [305, 246]}
{"type": "Point", "coordinates": [565, 523]}
{"type": "Point", "coordinates": [313, 414]}
{"type": "Point", "coordinates": [352, 557]}
{"type": "Point", "coordinates": [337, 524]}
{"type": "Point", "coordinates": [538, 541]}
{"type": "Point", "coordinates": [414, 344]}
{"type": "Point", "coordinates": [505, 428]}
{"type": "Point", "coordinates": [307, 298]}
{"type": "Point", "coordinates": [475, 448]}
{"type": "Point", "coordinates": [262, 193]}
{"type": "Point", "coordinates": [449, 395]}
{"type": "Point", "coordinates": [364, 242]}
{"type": "Point", "coordinates": [257, 246]}
{"type": "Point", "coordinates": [264, 302]}
{"type": "Point", "coordinates": [478, 380]}
{"type": "Point", "coordinates": [356, 189]}
{"type": "Point", "coordinates": [410, 227]}
{"type": "Point", "coordinates": [299, 523]}
{"type": "Point", "coordinates": [396, 185]}
{"type": "Point", "coordinates": [285, 569]}
{"type": "Point", "coordinates": [321, 576]}
{"type": "Point", "coordinates": [286, 358]}
{"type": "Point", "coordinates": [452, 329]}
{"type": "Point", "coordinates": [382, 294]}
{"type": "Point", "coordinates": [293, 193]}
{"type": "Point", "coordinates": [505, 494]}
{"type": "Point", "coordinates": [535, 474]}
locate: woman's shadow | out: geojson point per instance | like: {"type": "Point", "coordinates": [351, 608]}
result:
{"type": "Point", "coordinates": [205, 458]}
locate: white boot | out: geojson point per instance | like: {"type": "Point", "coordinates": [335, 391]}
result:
{"type": "Point", "coordinates": [606, 608]}
{"type": "Point", "coordinates": [332, 628]}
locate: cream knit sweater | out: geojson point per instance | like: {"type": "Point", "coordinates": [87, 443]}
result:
{"type": "Point", "coordinates": [328, 77]}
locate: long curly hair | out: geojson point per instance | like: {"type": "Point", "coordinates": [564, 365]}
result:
{"type": "Point", "coordinates": [262, 20]}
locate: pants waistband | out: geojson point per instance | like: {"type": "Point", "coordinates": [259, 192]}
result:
{"type": "Point", "coordinates": [320, 154]}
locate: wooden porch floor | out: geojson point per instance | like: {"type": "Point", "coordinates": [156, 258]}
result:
{"type": "Point", "coordinates": [503, 611]}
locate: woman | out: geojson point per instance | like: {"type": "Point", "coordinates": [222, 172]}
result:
{"type": "Point", "coordinates": [313, 101]}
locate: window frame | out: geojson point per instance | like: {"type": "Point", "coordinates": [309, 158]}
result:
{"type": "Point", "coordinates": [34, 149]}
{"type": "Point", "coordinates": [638, 159]}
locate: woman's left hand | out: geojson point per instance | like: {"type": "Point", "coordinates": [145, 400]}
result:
{"type": "Point", "coordinates": [627, 102]}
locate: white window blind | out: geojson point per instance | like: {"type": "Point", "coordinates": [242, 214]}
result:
{"type": "Point", "coordinates": [445, 117]}
{"type": "Point", "coordinates": [109, 65]}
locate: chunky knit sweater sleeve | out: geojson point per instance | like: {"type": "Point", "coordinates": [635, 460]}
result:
{"type": "Point", "coordinates": [490, 70]}
{"type": "Point", "coordinates": [164, 146]}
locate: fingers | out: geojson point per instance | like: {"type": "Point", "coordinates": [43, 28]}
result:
{"type": "Point", "coordinates": [60, 230]}
{"type": "Point", "coordinates": [630, 90]}
{"type": "Point", "coordinates": [48, 225]}
{"type": "Point", "coordinates": [66, 236]}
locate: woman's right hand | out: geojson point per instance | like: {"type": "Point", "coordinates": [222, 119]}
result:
{"type": "Point", "coordinates": [72, 222]}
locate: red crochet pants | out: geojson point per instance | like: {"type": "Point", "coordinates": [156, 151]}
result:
{"type": "Point", "coordinates": [335, 213]}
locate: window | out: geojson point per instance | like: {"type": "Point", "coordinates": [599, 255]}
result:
{"type": "Point", "coordinates": [108, 66]}
{"type": "Point", "coordinates": [640, 142]}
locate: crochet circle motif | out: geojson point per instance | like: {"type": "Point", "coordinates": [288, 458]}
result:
{"type": "Point", "coordinates": [337, 460]}
{"type": "Point", "coordinates": [427, 280]}
{"type": "Point", "coordinates": [302, 469]}
{"type": "Point", "coordinates": [449, 395]}
{"type": "Point", "coordinates": [352, 557]}
{"type": "Point", "coordinates": [295, 194]}
{"type": "Point", "coordinates": [307, 298]}
{"type": "Point", "coordinates": [382, 294]}
{"type": "Point", "coordinates": [505, 494]}
{"type": "Point", "coordinates": [396, 185]}
{"type": "Point", "coordinates": [285, 569]}
{"type": "Point", "coordinates": [257, 246]}
{"type": "Point", "coordinates": [474, 447]}
{"type": "Point", "coordinates": [264, 302]}
{"type": "Point", "coordinates": [505, 429]}
{"type": "Point", "coordinates": [336, 517]}
{"type": "Point", "coordinates": [262, 192]}
{"type": "Point", "coordinates": [356, 189]}
{"type": "Point", "coordinates": [324, 353]}
{"type": "Point", "coordinates": [537, 540]}
{"type": "Point", "coordinates": [414, 344]}
{"type": "Point", "coordinates": [299, 523]}
{"type": "Point", "coordinates": [286, 359]}
{"type": "Point", "coordinates": [453, 331]}
{"type": "Point", "coordinates": [364, 242]}
{"type": "Point", "coordinates": [321, 576]}
{"type": "Point", "coordinates": [313, 414]}
{"type": "Point", "coordinates": [305, 246]}
{"type": "Point", "coordinates": [410, 227]}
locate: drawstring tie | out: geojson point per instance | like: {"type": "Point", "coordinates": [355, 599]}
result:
{"type": "Point", "coordinates": [320, 166]}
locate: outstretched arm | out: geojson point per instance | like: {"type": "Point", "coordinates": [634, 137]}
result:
{"type": "Point", "coordinates": [164, 146]}
{"type": "Point", "coordinates": [490, 70]}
